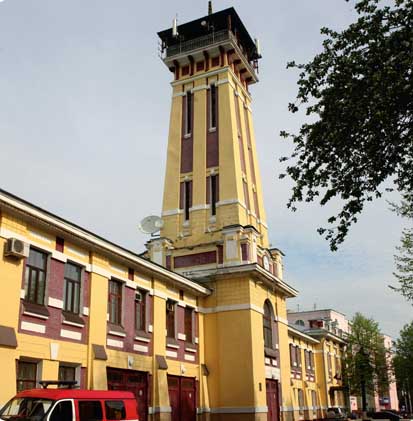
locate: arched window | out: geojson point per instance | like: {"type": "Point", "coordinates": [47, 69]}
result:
{"type": "Point", "coordinates": [300, 323]}
{"type": "Point", "coordinates": [267, 324]}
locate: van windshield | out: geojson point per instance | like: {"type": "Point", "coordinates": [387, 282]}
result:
{"type": "Point", "coordinates": [25, 409]}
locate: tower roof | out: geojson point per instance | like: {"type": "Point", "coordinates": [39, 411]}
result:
{"type": "Point", "coordinates": [227, 19]}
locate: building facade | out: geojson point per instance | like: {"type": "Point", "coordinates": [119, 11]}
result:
{"type": "Point", "coordinates": [198, 328]}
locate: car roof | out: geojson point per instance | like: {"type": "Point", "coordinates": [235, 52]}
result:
{"type": "Point", "coordinates": [55, 394]}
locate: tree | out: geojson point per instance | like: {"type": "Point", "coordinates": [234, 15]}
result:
{"type": "Point", "coordinates": [404, 260]}
{"type": "Point", "coordinates": [366, 365]}
{"type": "Point", "coordinates": [403, 365]}
{"type": "Point", "coordinates": [358, 93]}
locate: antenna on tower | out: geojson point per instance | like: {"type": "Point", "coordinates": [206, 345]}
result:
{"type": "Point", "coordinates": [210, 8]}
{"type": "Point", "coordinates": [175, 27]}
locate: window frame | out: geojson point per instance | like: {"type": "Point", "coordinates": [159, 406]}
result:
{"type": "Point", "coordinates": [189, 317]}
{"type": "Point", "coordinates": [214, 181]}
{"type": "Point", "coordinates": [188, 113]}
{"type": "Point", "coordinates": [66, 289]}
{"type": "Point", "coordinates": [142, 311]}
{"type": "Point", "coordinates": [116, 298]}
{"type": "Point", "coordinates": [267, 326]}
{"type": "Point", "coordinates": [187, 197]}
{"type": "Point", "coordinates": [170, 320]}
{"type": "Point", "coordinates": [213, 101]}
{"type": "Point", "coordinates": [49, 416]}
{"type": "Point", "coordinates": [28, 278]}
{"type": "Point", "coordinates": [32, 381]}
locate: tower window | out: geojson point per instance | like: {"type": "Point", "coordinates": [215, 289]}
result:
{"type": "Point", "coordinates": [187, 199]}
{"type": "Point", "coordinates": [213, 107]}
{"type": "Point", "coordinates": [188, 113]}
{"type": "Point", "coordinates": [214, 194]}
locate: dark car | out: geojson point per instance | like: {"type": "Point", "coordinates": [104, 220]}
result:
{"type": "Point", "coordinates": [384, 415]}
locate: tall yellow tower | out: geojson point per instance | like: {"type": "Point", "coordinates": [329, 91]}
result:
{"type": "Point", "coordinates": [214, 224]}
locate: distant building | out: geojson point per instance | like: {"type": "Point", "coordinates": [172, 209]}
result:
{"type": "Point", "coordinates": [330, 324]}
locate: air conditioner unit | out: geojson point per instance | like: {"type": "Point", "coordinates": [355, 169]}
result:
{"type": "Point", "coordinates": [16, 248]}
{"type": "Point", "coordinates": [170, 306]}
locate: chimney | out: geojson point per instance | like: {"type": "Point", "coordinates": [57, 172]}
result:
{"type": "Point", "coordinates": [210, 8]}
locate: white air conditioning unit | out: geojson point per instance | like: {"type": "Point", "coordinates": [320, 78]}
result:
{"type": "Point", "coordinates": [16, 248]}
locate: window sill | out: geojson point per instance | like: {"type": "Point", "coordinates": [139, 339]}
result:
{"type": "Point", "coordinates": [35, 310]}
{"type": "Point", "coordinates": [116, 328]}
{"type": "Point", "coordinates": [72, 319]}
{"type": "Point", "coordinates": [172, 342]}
{"type": "Point", "coordinates": [143, 334]}
{"type": "Point", "coordinates": [269, 352]}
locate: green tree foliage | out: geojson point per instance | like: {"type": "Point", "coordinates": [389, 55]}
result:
{"type": "Point", "coordinates": [366, 368]}
{"type": "Point", "coordinates": [358, 93]}
{"type": "Point", "coordinates": [404, 260]}
{"type": "Point", "coordinates": [403, 362]}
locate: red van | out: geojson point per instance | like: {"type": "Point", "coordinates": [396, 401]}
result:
{"type": "Point", "coordinates": [70, 405]}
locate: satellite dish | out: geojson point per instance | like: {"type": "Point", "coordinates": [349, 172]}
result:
{"type": "Point", "coordinates": [150, 224]}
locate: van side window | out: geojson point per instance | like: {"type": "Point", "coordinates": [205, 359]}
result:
{"type": "Point", "coordinates": [63, 411]}
{"type": "Point", "coordinates": [115, 410]}
{"type": "Point", "coordinates": [90, 411]}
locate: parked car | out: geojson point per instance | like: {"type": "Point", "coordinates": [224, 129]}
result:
{"type": "Point", "coordinates": [384, 415]}
{"type": "Point", "coordinates": [336, 413]}
{"type": "Point", "coordinates": [70, 405]}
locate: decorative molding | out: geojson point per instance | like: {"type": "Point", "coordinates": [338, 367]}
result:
{"type": "Point", "coordinates": [70, 334]}
{"type": "Point", "coordinates": [40, 236]}
{"type": "Point", "coordinates": [66, 322]}
{"type": "Point", "coordinates": [171, 354]}
{"type": "Point", "coordinates": [36, 315]}
{"type": "Point", "coordinates": [33, 327]}
{"type": "Point", "coordinates": [114, 343]}
{"type": "Point", "coordinates": [140, 338]}
{"type": "Point", "coordinates": [140, 348]}
{"type": "Point", "coordinates": [115, 333]}
{"type": "Point", "coordinates": [189, 357]}
{"type": "Point", "coordinates": [178, 94]}
{"type": "Point", "coordinates": [240, 410]}
{"type": "Point", "coordinates": [199, 88]}
{"type": "Point", "coordinates": [55, 302]}
{"type": "Point", "coordinates": [131, 284]}
{"type": "Point", "coordinates": [233, 307]}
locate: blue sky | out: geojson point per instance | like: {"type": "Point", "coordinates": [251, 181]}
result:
{"type": "Point", "coordinates": [84, 114]}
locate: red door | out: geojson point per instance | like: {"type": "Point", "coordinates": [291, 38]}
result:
{"type": "Point", "coordinates": [272, 400]}
{"type": "Point", "coordinates": [182, 398]}
{"type": "Point", "coordinates": [131, 381]}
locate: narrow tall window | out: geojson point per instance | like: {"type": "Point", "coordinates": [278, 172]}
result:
{"type": "Point", "coordinates": [213, 107]}
{"type": "Point", "coordinates": [26, 375]}
{"type": "Point", "coordinates": [214, 194]}
{"type": "Point", "coordinates": [301, 401]}
{"type": "Point", "coordinates": [188, 113]}
{"type": "Point", "coordinates": [187, 199]}
{"type": "Point", "coordinates": [73, 275]}
{"type": "Point", "coordinates": [115, 302]}
{"type": "Point", "coordinates": [267, 325]}
{"type": "Point", "coordinates": [170, 319]}
{"type": "Point", "coordinates": [188, 324]}
{"type": "Point", "coordinates": [140, 310]}
{"type": "Point", "coordinates": [35, 277]}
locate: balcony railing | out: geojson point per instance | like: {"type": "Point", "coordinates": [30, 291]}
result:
{"type": "Point", "coordinates": [204, 41]}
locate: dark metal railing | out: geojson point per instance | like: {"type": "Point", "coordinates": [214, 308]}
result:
{"type": "Point", "coordinates": [194, 44]}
